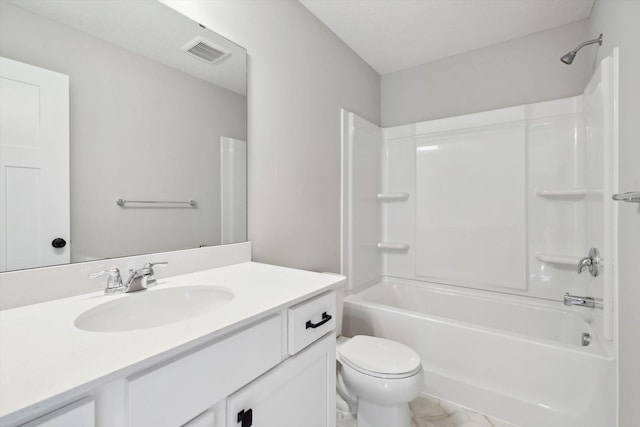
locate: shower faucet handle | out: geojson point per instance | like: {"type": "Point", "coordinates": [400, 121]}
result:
{"type": "Point", "coordinates": [592, 261]}
{"type": "Point", "coordinates": [584, 262]}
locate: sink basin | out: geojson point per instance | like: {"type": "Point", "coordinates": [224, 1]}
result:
{"type": "Point", "coordinates": [152, 308]}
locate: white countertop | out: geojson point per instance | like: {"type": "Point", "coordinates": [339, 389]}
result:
{"type": "Point", "coordinates": [45, 359]}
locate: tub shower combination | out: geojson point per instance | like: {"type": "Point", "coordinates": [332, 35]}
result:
{"type": "Point", "coordinates": [517, 361]}
{"type": "Point", "coordinates": [462, 239]}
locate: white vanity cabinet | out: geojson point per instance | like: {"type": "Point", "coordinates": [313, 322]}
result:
{"type": "Point", "coordinates": [274, 368]}
{"type": "Point", "coordinates": [299, 391]}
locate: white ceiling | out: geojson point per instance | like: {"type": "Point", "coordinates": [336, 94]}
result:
{"type": "Point", "coordinates": [392, 35]}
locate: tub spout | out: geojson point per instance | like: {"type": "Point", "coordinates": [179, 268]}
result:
{"type": "Point", "coordinates": [581, 301]}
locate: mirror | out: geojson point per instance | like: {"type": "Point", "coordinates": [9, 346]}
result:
{"type": "Point", "coordinates": [156, 107]}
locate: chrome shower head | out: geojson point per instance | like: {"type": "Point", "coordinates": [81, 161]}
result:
{"type": "Point", "coordinates": [569, 57]}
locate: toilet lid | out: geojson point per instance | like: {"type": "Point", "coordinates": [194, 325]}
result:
{"type": "Point", "coordinates": [378, 356]}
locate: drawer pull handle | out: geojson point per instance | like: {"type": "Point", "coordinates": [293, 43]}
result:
{"type": "Point", "coordinates": [325, 318]}
{"type": "Point", "coordinates": [245, 418]}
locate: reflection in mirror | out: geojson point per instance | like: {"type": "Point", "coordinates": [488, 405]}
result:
{"type": "Point", "coordinates": [108, 100]}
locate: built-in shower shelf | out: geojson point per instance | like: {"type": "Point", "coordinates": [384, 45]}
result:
{"type": "Point", "coordinates": [566, 192]}
{"type": "Point", "coordinates": [559, 259]}
{"type": "Point", "coordinates": [393, 246]}
{"type": "Point", "coordinates": [561, 192]}
{"type": "Point", "coordinates": [393, 197]}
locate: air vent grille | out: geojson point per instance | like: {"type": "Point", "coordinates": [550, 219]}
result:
{"type": "Point", "coordinates": [204, 50]}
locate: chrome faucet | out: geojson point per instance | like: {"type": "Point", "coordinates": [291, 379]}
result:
{"type": "Point", "coordinates": [142, 278]}
{"type": "Point", "coordinates": [139, 279]}
{"type": "Point", "coordinates": [589, 302]}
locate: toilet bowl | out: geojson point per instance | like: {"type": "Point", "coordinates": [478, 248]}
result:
{"type": "Point", "coordinates": [378, 378]}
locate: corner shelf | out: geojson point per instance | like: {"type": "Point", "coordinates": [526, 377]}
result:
{"type": "Point", "coordinates": [561, 192]}
{"type": "Point", "coordinates": [573, 192]}
{"type": "Point", "coordinates": [559, 259]}
{"type": "Point", "coordinates": [393, 246]}
{"type": "Point", "coordinates": [392, 197]}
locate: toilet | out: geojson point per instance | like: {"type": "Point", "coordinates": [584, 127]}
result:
{"type": "Point", "coordinates": [376, 380]}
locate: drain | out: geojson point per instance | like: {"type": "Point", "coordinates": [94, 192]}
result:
{"type": "Point", "coordinates": [586, 339]}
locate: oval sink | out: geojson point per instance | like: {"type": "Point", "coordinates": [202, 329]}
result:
{"type": "Point", "coordinates": [152, 308]}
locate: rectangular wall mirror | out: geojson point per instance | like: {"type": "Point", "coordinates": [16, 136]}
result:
{"type": "Point", "coordinates": [123, 132]}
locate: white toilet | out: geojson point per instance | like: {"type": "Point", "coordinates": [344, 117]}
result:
{"type": "Point", "coordinates": [378, 378]}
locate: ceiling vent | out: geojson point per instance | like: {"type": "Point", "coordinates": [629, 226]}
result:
{"type": "Point", "coordinates": [205, 50]}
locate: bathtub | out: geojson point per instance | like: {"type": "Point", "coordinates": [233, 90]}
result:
{"type": "Point", "coordinates": [506, 356]}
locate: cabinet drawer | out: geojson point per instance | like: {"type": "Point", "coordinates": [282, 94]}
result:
{"type": "Point", "coordinates": [310, 320]}
{"type": "Point", "coordinates": [173, 394]}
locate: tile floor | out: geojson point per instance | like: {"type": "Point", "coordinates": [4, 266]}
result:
{"type": "Point", "coordinates": [431, 412]}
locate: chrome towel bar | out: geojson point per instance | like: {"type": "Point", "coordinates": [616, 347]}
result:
{"type": "Point", "coordinates": [631, 197]}
{"type": "Point", "coordinates": [123, 202]}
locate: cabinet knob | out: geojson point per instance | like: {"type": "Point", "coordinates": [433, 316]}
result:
{"type": "Point", "coordinates": [245, 418]}
{"type": "Point", "coordinates": [58, 243]}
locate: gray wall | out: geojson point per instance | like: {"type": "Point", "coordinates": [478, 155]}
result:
{"type": "Point", "coordinates": [619, 21]}
{"type": "Point", "coordinates": [300, 75]}
{"type": "Point", "coordinates": [139, 130]}
{"type": "Point", "coordinates": [519, 71]}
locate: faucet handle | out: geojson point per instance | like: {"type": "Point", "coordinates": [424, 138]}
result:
{"type": "Point", "coordinates": [153, 264]}
{"type": "Point", "coordinates": [151, 278]}
{"type": "Point", "coordinates": [114, 282]}
{"type": "Point", "coordinates": [584, 262]}
{"type": "Point", "coordinates": [592, 262]}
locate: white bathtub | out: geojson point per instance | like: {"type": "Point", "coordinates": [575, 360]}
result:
{"type": "Point", "coordinates": [503, 356]}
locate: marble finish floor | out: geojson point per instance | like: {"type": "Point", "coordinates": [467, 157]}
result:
{"type": "Point", "coordinates": [431, 412]}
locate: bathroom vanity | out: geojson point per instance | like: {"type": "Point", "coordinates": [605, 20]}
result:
{"type": "Point", "coordinates": [264, 355]}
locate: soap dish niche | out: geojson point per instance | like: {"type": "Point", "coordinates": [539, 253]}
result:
{"type": "Point", "coordinates": [394, 246]}
{"type": "Point", "coordinates": [393, 197]}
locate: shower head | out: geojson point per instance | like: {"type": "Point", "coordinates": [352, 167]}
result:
{"type": "Point", "coordinates": [569, 57]}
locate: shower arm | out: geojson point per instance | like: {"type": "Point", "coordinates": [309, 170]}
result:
{"type": "Point", "coordinates": [588, 42]}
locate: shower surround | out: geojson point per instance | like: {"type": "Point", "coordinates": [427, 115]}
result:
{"type": "Point", "coordinates": [477, 223]}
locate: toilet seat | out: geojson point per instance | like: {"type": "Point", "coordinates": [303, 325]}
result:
{"type": "Point", "coordinates": [379, 357]}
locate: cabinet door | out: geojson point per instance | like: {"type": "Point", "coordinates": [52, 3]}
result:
{"type": "Point", "coordinates": [299, 392]}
